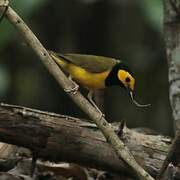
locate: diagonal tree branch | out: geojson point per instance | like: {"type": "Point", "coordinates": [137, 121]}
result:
{"type": "Point", "coordinates": [119, 147]}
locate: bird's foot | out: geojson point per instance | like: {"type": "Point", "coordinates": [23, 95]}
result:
{"type": "Point", "coordinates": [101, 115]}
{"type": "Point", "coordinates": [72, 90]}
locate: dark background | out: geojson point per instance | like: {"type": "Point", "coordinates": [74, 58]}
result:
{"type": "Point", "coordinates": [128, 30]}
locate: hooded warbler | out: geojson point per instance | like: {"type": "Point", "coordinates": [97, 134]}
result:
{"type": "Point", "coordinates": [96, 72]}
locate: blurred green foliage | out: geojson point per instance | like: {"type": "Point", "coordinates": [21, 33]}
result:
{"type": "Point", "coordinates": [24, 8]}
{"type": "Point", "coordinates": [153, 13]}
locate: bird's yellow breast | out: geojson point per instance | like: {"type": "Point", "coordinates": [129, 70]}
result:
{"type": "Point", "coordinates": [85, 78]}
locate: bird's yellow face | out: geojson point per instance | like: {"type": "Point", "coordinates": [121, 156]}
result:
{"type": "Point", "coordinates": [127, 80]}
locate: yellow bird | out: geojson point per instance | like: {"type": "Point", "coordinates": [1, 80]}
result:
{"type": "Point", "coordinates": [96, 72]}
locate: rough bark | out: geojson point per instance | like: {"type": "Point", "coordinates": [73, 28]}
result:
{"type": "Point", "coordinates": [61, 138]}
{"type": "Point", "coordinates": [7, 150]}
{"type": "Point", "coordinates": [172, 40]}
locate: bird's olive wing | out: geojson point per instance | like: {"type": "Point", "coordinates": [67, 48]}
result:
{"type": "Point", "coordinates": [91, 63]}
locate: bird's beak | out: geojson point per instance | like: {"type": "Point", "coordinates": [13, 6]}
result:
{"type": "Point", "coordinates": [134, 101]}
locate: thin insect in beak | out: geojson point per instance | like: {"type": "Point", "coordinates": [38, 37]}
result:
{"type": "Point", "coordinates": [135, 102]}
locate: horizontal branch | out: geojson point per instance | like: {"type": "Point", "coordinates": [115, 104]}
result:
{"type": "Point", "coordinates": [62, 138]}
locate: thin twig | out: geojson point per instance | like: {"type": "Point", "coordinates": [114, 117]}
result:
{"type": "Point", "coordinates": [119, 147]}
{"type": "Point", "coordinates": [25, 111]}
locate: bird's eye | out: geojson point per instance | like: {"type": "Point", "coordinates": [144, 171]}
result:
{"type": "Point", "coordinates": [127, 79]}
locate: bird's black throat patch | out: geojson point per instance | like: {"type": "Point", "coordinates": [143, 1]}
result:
{"type": "Point", "coordinates": [112, 78]}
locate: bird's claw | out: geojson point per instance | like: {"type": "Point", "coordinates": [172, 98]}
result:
{"type": "Point", "coordinates": [72, 90]}
{"type": "Point", "coordinates": [101, 115]}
